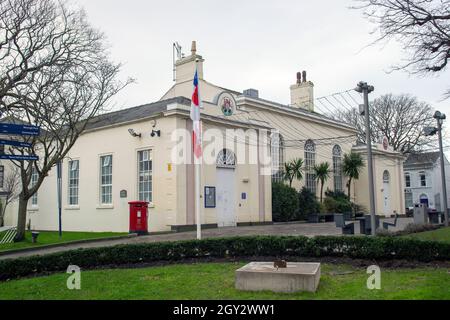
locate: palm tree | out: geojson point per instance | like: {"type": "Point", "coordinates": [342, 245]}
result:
{"type": "Point", "coordinates": [351, 167]}
{"type": "Point", "coordinates": [293, 170]}
{"type": "Point", "coordinates": [322, 173]}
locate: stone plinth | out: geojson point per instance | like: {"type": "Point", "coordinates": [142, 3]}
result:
{"type": "Point", "coordinates": [298, 276]}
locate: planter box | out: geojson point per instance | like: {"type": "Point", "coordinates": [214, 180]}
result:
{"type": "Point", "coordinates": [298, 276]}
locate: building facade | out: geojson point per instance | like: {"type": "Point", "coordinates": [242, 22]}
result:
{"type": "Point", "coordinates": [143, 153]}
{"type": "Point", "coordinates": [423, 180]}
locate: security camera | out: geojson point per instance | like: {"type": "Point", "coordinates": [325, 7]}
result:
{"type": "Point", "coordinates": [133, 133]}
{"type": "Point", "coordinates": [155, 133]}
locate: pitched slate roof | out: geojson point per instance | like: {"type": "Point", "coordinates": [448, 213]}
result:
{"type": "Point", "coordinates": [421, 158]}
{"type": "Point", "coordinates": [134, 113]}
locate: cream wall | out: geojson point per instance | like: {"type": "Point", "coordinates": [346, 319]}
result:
{"type": "Point", "coordinates": [170, 205]}
{"type": "Point", "coordinates": [247, 180]}
{"type": "Point", "coordinates": [393, 163]}
{"type": "Point", "coordinates": [90, 215]}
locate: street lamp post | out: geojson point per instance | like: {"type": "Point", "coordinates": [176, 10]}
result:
{"type": "Point", "coordinates": [59, 194]}
{"type": "Point", "coordinates": [365, 89]}
{"type": "Point", "coordinates": [429, 131]}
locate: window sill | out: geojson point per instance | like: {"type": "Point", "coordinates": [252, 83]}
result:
{"type": "Point", "coordinates": [33, 209]}
{"type": "Point", "coordinates": [151, 205]}
{"type": "Point", "coordinates": [105, 206]}
{"type": "Point", "coordinates": [72, 208]}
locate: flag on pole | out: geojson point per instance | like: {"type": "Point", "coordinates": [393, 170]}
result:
{"type": "Point", "coordinates": [195, 116]}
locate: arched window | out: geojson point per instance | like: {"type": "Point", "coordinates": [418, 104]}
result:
{"type": "Point", "coordinates": [226, 159]}
{"type": "Point", "coordinates": [277, 156]}
{"type": "Point", "coordinates": [386, 176]}
{"type": "Point", "coordinates": [310, 162]}
{"type": "Point", "coordinates": [337, 167]}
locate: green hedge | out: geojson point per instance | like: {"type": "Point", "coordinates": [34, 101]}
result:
{"type": "Point", "coordinates": [284, 202]}
{"type": "Point", "coordinates": [380, 248]}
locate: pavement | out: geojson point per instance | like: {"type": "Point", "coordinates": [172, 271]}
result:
{"type": "Point", "coordinates": [287, 229]}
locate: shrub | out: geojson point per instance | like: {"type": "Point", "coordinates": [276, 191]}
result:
{"type": "Point", "coordinates": [384, 233]}
{"type": "Point", "coordinates": [409, 228]}
{"type": "Point", "coordinates": [284, 202]}
{"type": "Point", "coordinates": [336, 194]}
{"type": "Point", "coordinates": [307, 204]}
{"type": "Point", "coordinates": [373, 248]}
{"type": "Point", "coordinates": [337, 202]}
{"type": "Point", "coordinates": [414, 228]}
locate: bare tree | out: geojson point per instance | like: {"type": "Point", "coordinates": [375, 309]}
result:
{"type": "Point", "coordinates": [56, 74]}
{"type": "Point", "coordinates": [400, 118]}
{"type": "Point", "coordinates": [11, 189]}
{"type": "Point", "coordinates": [421, 26]}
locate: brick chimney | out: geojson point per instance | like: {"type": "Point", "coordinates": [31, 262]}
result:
{"type": "Point", "coordinates": [302, 93]}
{"type": "Point", "coordinates": [185, 67]}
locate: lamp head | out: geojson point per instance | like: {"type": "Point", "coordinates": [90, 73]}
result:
{"type": "Point", "coordinates": [359, 87]}
{"type": "Point", "coordinates": [438, 115]}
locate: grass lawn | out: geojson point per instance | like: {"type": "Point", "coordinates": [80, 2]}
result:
{"type": "Point", "coordinates": [216, 281]}
{"type": "Point", "coordinates": [442, 234]}
{"type": "Point", "coordinates": [51, 237]}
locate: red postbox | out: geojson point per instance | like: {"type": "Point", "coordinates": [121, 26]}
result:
{"type": "Point", "coordinates": [138, 217]}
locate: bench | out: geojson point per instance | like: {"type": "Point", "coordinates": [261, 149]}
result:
{"type": "Point", "coordinates": [10, 234]}
{"type": "Point", "coordinates": [365, 224]}
{"type": "Point", "coordinates": [347, 228]}
{"type": "Point", "coordinates": [433, 216]}
{"type": "Point", "coordinates": [313, 218]}
{"type": "Point", "coordinates": [392, 224]}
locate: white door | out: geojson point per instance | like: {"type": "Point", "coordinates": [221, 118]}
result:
{"type": "Point", "coordinates": [225, 208]}
{"type": "Point", "coordinates": [386, 199]}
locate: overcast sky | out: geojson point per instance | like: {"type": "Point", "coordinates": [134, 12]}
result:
{"type": "Point", "coordinates": [254, 44]}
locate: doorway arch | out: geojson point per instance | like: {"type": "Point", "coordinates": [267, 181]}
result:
{"type": "Point", "coordinates": [226, 188]}
{"type": "Point", "coordinates": [424, 199]}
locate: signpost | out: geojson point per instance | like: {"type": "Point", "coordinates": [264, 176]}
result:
{"type": "Point", "coordinates": [22, 130]}
{"type": "Point", "coordinates": [15, 143]}
{"type": "Point", "coordinates": [18, 157]}
{"type": "Point", "coordinates": [19, 129]}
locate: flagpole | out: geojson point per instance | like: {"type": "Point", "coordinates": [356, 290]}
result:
{"type": "Point", "coordinates": [197, 195]}
{"type": "Point", "coordinates": [198, 163]}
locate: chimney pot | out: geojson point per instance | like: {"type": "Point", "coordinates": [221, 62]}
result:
{"type": "Point", "coordinates": [194, 48]}
{"type": "Point", "coordinates": [302, 93]}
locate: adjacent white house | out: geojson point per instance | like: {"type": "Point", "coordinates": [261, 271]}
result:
{"type": "Point", "coordinates": [423, 180]}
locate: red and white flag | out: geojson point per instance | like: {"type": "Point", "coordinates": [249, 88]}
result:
{"type": "Point", "coordinates": [195, 116]}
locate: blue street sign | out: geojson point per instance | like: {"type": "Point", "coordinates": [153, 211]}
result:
{"type": "Point", "coordinates": [15, 143]}
{"type": "Point", "coordinates": [25, 130]}
{"type": "Point", "coordinates": [18, 157]}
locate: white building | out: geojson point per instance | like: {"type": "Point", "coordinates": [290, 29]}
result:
{"type": "Point", "coordinates": [423, 180]}
{"type": "Point", "coordinates": [108, 167]}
